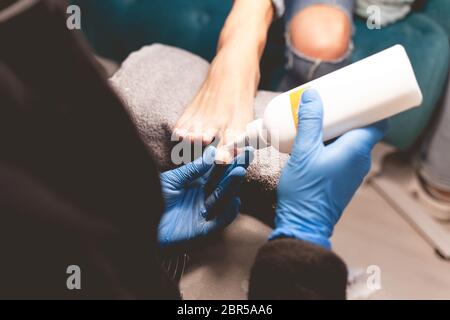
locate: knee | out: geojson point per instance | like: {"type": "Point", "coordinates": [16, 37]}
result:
{"type": "Point", "coordinates": [321, 32]}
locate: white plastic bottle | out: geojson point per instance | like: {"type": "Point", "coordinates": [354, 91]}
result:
{"type": "Point", "coordinates": [362, 93]}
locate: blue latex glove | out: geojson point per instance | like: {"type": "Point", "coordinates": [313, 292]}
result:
{"type": "Point", "coordinates": [187, 208]}
{"type": "Point", "coordinates": [319, 181]}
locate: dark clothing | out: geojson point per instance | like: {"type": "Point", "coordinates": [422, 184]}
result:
{"type": "Point", "coordinates": [77, 184]}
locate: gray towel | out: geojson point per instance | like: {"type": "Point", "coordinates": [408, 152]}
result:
{"type": "Point", "coordinates": [156, 83]}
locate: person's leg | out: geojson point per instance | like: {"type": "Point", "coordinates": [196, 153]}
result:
{"type": "Point", "coordinates": [223, 106]}
{"type": "Point", "coordinates": [435, 162]}
{"type": "Point", "coordinates": [318, 39]}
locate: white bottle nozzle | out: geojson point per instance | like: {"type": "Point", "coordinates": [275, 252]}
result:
{"type": "Point", "coordinates": [254, 137]}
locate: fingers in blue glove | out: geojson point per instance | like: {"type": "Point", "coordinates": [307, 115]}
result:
{"type": "Point", "coordinates": [228, 188]}
{"type": "Point", "coordinates": [356, 146]}
{"type": "Point", "coordinates": [310, 123]}
{"type": "Point", "coordinates": [243, 159]}
{"type": "Point", "coordinates": [363, 139]}
{"type": "Point", "coordinates": [221, 171]}
{"type": "Point", "coordinates": [228, 215]}
{"type": "Point", "coordinates": [196, 169]}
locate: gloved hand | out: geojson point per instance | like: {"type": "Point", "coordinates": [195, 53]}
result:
{"type": "Point", "coordinates": [188, 208]}
{"type": "Point", "coordinates": [319, 181]}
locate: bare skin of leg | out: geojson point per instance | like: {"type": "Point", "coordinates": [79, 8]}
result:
{"type": "Point", "coordinates": [321, 31]}
{"type": "Point", "coordinates": [224, 105]}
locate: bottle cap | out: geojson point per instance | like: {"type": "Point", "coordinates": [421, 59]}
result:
{"type": "Point", "coordinates": [256, 135]}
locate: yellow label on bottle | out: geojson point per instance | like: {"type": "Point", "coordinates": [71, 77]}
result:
{"type": "Point", "coordinates": [295, 98]}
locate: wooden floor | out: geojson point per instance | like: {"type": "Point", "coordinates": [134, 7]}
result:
{"type": "Point", "coordinates": [370, 233]}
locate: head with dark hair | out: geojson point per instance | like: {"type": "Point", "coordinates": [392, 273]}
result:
{"type": "Point", "coordinates": [293, 269]}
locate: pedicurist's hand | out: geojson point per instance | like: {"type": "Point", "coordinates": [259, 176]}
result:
{"type": "Point", "coordinates": [189, 209]}
{"type": "Point", "coordinates": [319, 181]}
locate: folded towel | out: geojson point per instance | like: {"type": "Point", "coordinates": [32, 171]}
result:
{"type": "Point", "coordinates": [156, 83]}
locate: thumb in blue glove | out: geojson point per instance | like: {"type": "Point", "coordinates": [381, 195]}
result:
{"type": "Point", "coordinates": [319, 181]}
{"type": "Point", "coordinates": [188, 207]}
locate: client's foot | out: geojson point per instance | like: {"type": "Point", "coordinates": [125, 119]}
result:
{"type": "Point", "coordinates": [224, 105]}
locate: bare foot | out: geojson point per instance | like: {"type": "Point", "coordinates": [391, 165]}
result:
{"type": "Point", "coordinates": [224, 105]}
